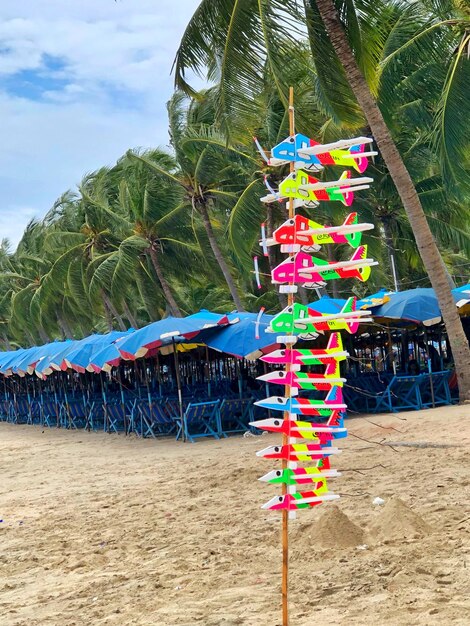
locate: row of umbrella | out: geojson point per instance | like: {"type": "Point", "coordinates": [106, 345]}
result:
{"type": "Point", "coordinates": [234, 334]}
{"type": "Point", "coordinates": [237, 334]}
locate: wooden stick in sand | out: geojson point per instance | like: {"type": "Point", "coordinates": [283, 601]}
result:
{"type": "Point", "coordinates": [285, 438]}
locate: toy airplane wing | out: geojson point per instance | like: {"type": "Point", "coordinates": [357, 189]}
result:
{"type": "Point", "coordinates": [299, 500]}
{"type": "Point", "coordinates": [298, 476]}
{"type": "Point", "coordinates": [336, 145]}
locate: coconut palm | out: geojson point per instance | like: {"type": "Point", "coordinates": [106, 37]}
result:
{"type": "Point", "coordinates": [357, 49]}
{"type": "Point", "coordinates": [211, 175]}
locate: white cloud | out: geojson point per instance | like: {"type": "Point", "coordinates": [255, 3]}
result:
{"type": "Point", "coordinates": [113, 60]}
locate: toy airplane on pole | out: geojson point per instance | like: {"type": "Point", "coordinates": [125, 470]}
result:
{"type": "Point", "coordinates": [312, 271]}
{"type": "Point", "coordinates": [309, 426]}
{"type": "Point", "coordinates": [333, 353]}
{"type": "Point", "coordinates": [300, 319]}
{"type": "Point", "coordinates": [299, 185]}
{"type": "Point", "coordinates": [315, 156]}
{"type": "Point", "coordinates": [301, 232]}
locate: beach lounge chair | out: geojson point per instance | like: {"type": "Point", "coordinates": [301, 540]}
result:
{"type": "Point", "coordinates": [200, 419]}
{"type": "Point", "coordinates": [155, 419]}
{"type": "Point", "coordinates": [434, 389]}
{"type": "Point", "coordinates": [402, 393]}
{"type": "Point", "coordinates": [51, 413]}
{"type": "Point", "coordinates": [235, 415]}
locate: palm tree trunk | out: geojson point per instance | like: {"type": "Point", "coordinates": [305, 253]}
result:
{"type": "Point", "coordinates": [112, 309]}
{"type": "Point", "coordinates": [43, 335]}
{"type": "Point", "coordinates": [424, 239]}
{"type": "Point", "coordinates": [174, 308]}
{"type": "Point", "coordinates": [201, 206]}
{"type": "Point", "coordinates": [111, 312]}
{"type": "Point", "coordinates": [130, 317]}
{"type": "Point", "coordinates": [64, 326]}
{"type": "Point", "coordinates": [6, 341]}
{"type": "Point", "coordinates": [109, 317]}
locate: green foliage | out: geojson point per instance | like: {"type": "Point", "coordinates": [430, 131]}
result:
{"type": "Point", "coordinates": [184, 223]}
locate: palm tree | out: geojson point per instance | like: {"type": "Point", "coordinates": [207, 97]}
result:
{"type": "Point", "coordinates": [211, 175]}
{"type": "Point", "coordinates": [150, 213]}
{"type": "Point", "coordinates": [241, 44]}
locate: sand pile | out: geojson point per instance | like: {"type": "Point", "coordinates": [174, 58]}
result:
{"type": "Point", "coordinates": [333, 529]}
{"type": "Point", "coordinates": [398, 521]}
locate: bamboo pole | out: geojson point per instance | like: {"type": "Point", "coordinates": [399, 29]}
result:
{"type": "Point", "coordinates": [286, 437]}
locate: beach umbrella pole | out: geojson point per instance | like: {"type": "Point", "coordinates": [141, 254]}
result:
{"type": "Point", "coordinates": [172, 335]}
{"type": "Point", "coordinates": [123, 400]}
{"type": "Point", "coordinates": [209, 373]}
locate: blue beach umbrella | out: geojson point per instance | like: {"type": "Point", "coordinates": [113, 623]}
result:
{"type": "Point", "coordinates": [328, 305]}
{"type": "Point", "coordinates": [55, 359]}
{"type": "Point", "coordinates": [79, 358]}
{"type": "Point", "coordinates": [243, 339]}
{"type": "Point", "coordinates": [9, 359]}
{"type": "Point", "coordinates": [462, 295]}
{"type": "Point", "coordinates": [167, 330]}
{"type": "Point", "coordinates": [415, 305]}
{"type": "Point", "coordinates": [106, 358]}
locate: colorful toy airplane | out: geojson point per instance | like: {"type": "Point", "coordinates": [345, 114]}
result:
{"type": "Point", "coordinates": [332, 353]}
{"type": "Point", "coordinates": [301, 186]}
{"type": "Point", "coordinates": [298, 429]}
{"type": "Point", "coordinates": [313, 155]}
{"type": "Point", "coordinates": [300, 500]}
{"type": "Point", "coordinates": [300, 232]}
{"type": "Point", "coordinates": [306, 406]}
{"type": "Point", "coordinates": [313, 271]}
{"type": "Point", "coordinates": [298, 451]}
{"type": "Point", "coordinates": [301, 319]}
{"type": "Point", "coordinates": [306, 380]}
{"type": "Point", "coordinates": [298, 476]}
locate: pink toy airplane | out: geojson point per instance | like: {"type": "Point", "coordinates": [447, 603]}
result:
{"type": "Point", "coordinates": [307, 380]}
{"type": "Point", "coordinates": [309, 270]}
{"type": "Point", "coordinates": [332, 353]}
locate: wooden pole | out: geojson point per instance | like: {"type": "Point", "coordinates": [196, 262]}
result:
{"type": "Point", "coordinates": [285, 437]}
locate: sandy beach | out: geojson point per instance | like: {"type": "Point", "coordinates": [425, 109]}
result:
{"type": "Point", "coordinates": [100, 529]}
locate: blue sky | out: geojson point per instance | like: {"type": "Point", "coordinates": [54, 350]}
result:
{"type": "Point", "coordinates": [80, 83]}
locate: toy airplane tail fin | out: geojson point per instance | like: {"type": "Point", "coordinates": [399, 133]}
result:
{"type": "Point", "coordinates": [350, 305]}
{"type": "Point", "coordinates": [362, 273]}
{"type": "Point", "coordinates": [360, 165]}
{"type": "Point", "coordinates": [332, 370]}
{"type": "Point", "coordinates": [359, 254]}
{"type": "Point", "coordinates": [354, 239]}
{"type": "Point", "coordinates": [335, 342]}
{"type": "Point", "coordinates": [324, 463]}
{"type": "Point", "coordinates": [335, 395]}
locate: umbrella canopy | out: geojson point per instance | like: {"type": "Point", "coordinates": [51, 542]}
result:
{"type": "Point", "coordinates": [415, 305]}
{"type": "Point", "coordinates": [106, 357]}
{"type": "Point", "coordinates": [328, 305]}
{"type": "Point", "coordinates": [240, 339]}
{"type": "Point", "coordinates": [80, 356]}
{"type": "Point", "coordinates": [164, 331]}
{"type": "Point", "coordinates": [9, 359]}
{"type": "Point", "coordinates": [55, 359]}
{"type": "Point", "coordinates": [32, 356]}
{"type": "Point", "coordinates": [462, 295]}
